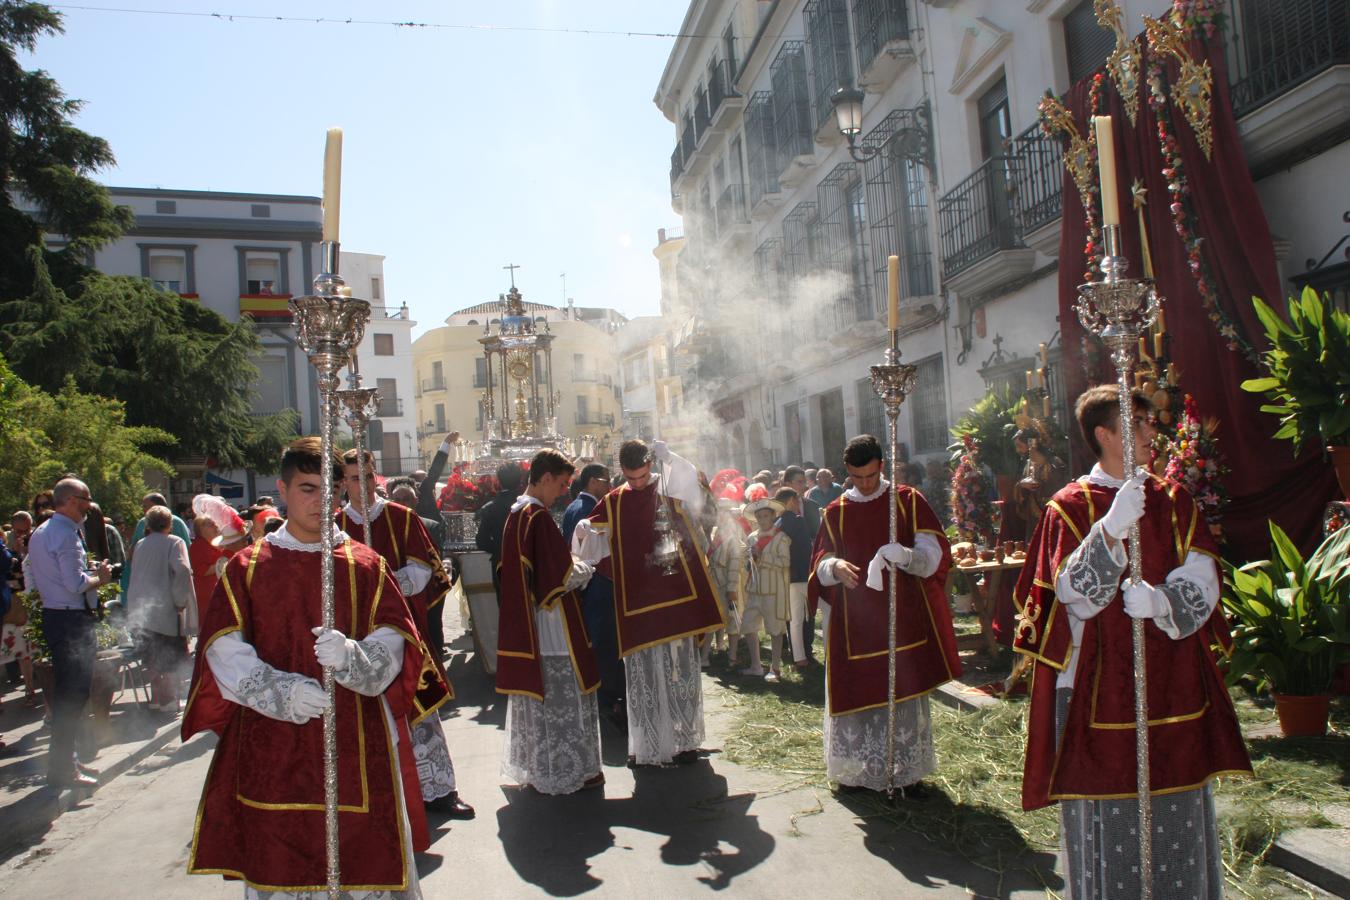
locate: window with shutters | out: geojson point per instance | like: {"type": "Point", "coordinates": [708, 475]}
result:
{"type": "Point", "coordinates": [871, 417]}
{"type": "Point", "coordinates": [263, 275]}
{"type": "Point", "coordinates": [1086, 44]}
{"type": "Point", "coordinates": [168, 271]}
{"type": "Point", "coordinates": [384, 344]}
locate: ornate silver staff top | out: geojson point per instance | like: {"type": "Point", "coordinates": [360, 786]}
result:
{"type": "Point", "coordinates": [1117, 310]}
{"type": "Point", "coordinates": [893, 382]}
{"type": "Point", "coordinates": [329, 325]}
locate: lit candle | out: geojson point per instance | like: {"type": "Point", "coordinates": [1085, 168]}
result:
{"type": "Point", "coordinates": [1143, 347]}
{"type": "Point", "coordinates": [893, 293]}
{"type": "Point", "coordinates": [1028, 379]}
{"type": "Point", "coordinates": [1158, 344]}
{"type": "Point", "coordinates": [1040, 377]}
{"type": "Point", "coordinates": [1171, 373]}
{"type": "Point", "coordinates": [332, 183]}
{"type": "Point", "coordinates": [1162, 321]}
{"type": "Point", "coordinates": [1106, 169]}
{"type": "Point", "coordinates": [1045, 356]}
{"type": "Point", "coordinates": [1045, 406]}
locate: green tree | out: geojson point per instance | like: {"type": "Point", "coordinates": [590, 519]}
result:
{"type": "Point", "coordinates": [43, 156]}
{"type": "Point", "coordinates": [46, 435]}
{"type": "Point", "coordinates": [176, 365]}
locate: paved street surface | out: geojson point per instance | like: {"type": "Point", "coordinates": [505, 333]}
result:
{"type": "Point", "coordinates": [678, 832]}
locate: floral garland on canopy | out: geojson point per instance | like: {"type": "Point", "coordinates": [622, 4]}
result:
{"type": "Point", "coordinates": [973, 497]}
{"type": "Point", "coordinates": [465, 494]}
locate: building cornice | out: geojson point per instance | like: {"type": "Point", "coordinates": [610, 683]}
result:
{"type": "Point", "coordinates": [166, 193]}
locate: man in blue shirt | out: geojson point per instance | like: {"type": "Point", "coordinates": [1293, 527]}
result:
{"type": "Point", "coordinates": [597, 600]}
{"type": "Point", "coordinates": [60, 572]}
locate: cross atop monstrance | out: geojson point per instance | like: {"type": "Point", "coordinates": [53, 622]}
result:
{"type": "Point", "coordinates": [511, 267]}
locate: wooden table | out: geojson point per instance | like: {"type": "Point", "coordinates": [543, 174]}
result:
{"type": "Point", "coordinates": [986, 599]}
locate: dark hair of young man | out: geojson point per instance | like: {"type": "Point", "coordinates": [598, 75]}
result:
{"type": "Point", "coordinates": [509, 476]}
{"type": "Point", "coordinates": [785, 495]}
{"type": "Point", "coordinates": [589, 472]}
{"type": "Point", "coordinates": [273, 524]}
{"type": "Point", "coordinates": [549, 462]}
{"type": "Point", "coordinates": [304, 455]}
{"type": "Point", "coordinates": [862, 450]}
{"type": "Point", "coordinates": [634, 454]}
{"type": "Point", "coordinates": [1100, 405]}
{"type": "Point", "coordinates": [349, 458]}
{"type": "Point", "coordinates": [792, 472]}
{"type": "Point", "coordinates": [155, 499]}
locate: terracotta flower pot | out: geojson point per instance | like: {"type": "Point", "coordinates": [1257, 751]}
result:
{"type": "Point", "coordinates": [1340, 461]}
{"type": "Point", "coordinates": [1303, 716]}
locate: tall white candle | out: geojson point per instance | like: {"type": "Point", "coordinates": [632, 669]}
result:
{"type": "Point", "coordinates": [1106, 168]}
{"type": "Point", "coordinates": [893, 293]}
{"type": "Point", "coordinates": [332, 183]}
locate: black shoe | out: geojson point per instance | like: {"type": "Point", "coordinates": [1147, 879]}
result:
{"type": "Point", "coordinates": [685, 757]}
{"type": "Point", "coordinates": [450, 805]}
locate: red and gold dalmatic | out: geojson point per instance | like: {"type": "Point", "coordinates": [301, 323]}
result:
{"type": "Point", "coordinates": [856, 651]}
{"type": "Point", "coordinates": [651, 607]}
{"type": "Point", "coordinates": [261, 817]}
{"type": "Point", "coordinates": [534, 569]}
{"type": "Point", "coordinates": [1193, 731]}
{"type": "Point", "coordinates": [398, 535]}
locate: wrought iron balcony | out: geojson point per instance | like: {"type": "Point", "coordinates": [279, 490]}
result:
{"type": "Point", "coordinates": [688, 139]}
{"type": "Point", "coordinates": [791, 108]}
{"type": "Point", "coordinates": [1280, 44]}
{"type": "Point", "coordinates": [1038, 176]}
{"type": "Point", "coordinates": [731, 209]}
{"type": "Point", "coordinates": [676, 165]}
{"type": "Point", "coordinates": [977, 216]}
{"type": "Point", "coordinates": [831, 61]}
{"type": "Point", "coordinates": [595, 418]}
{"type": "Point", "coordinates": [433, 384]}
{"type": "Point", "coordinates": [389, 408]}
{"type": "Point", "coordinates": [721, 88]}
{"type": "Point", "coordinates": [701, 115]}
{"type": "Point", "coordinates": [876, 23]}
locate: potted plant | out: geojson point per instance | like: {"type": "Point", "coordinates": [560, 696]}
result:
{"type": "Point", "coordinates": [1308, 376]}
{"type": "Point", "coordinates": [1291, 629]}
{"type": "Point", "coordinates": [990, 423]}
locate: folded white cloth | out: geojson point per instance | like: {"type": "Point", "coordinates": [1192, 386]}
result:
{"type": "Point", "coordinates": [895, 556]}
{"type": "Point", "coordinates": [580, 575]}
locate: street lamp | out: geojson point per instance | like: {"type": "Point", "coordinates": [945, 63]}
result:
{"type": "Point", "coordinates": [848, 114]}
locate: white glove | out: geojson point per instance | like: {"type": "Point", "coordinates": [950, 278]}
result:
{"type": "Point", "coordinates": [898, 555]}
{"type": "Point", "coordinates": [580, 575]}
{"type": "Point", "coordinates": [332, 648]}
{"type": "Point", "coordinates": [1144, 601]}
{"type": "Point", "coordinates": [308, 700]}
{"type": "Point", "coordinates": [660, 451]}
{"type": "Point", "coordinates": [1126, 509]}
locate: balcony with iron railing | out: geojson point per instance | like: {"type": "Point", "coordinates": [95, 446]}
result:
{"type": "Point", "coordinates": [723, 100]}
{"type": "Point", "coordinates": [981, 241]}
{"type": "Point", "coordinates": [731, 213]}
{"type": "Point", "coordinates": [701, 117]}
{"type": "Point", "coordinates": [881, 36]}
{"type": "Point", "coordinates": [595, 418]}
{"type": "Point", "coordinates": [433, 384]}
{"type": "Point", "coordinates": [389, 408]}
{"type": "Point", "coordinates": [1038, 179]}
{"type": "Point", "coordinates": [793, 134]}
{"type": "Point", "coordinates": [592, 377]}
{"type": "Point", "coordinates": [1290, 64]}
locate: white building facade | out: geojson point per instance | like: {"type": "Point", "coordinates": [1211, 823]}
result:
{"type": "Point", "coordinates": [782, 270]}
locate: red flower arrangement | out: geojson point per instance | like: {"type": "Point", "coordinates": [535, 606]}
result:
{"type": "Point", "coordinates": [973, 497]}
{"type": "Point", "coordinates": [463, 494]}
{"type": "Point", "coordinates": [1196, 463]}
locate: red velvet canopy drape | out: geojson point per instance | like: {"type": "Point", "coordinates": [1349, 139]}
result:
{"type": "Point", "coordinates": [1267, 481]}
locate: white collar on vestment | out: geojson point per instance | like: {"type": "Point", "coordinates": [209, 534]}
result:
{"type": "Point", "coordinates": [856, 495]}
{"type": "Point", "coordinates": [525, 500]}
{"type": "Point", "coordinates": [354, 512]}
{"type": "Point", "coordinates": [283, 539]}
{"type": "Point", "coordinates": [1098, 476]}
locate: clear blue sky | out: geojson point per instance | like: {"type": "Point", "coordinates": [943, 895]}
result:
{"type": "Point", "coordinates": [464, 149]}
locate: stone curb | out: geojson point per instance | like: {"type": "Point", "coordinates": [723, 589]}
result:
{"type": "Point", "coordinates": [39, 814]}
{"type": "Point", "coordinates": [1317, 855]}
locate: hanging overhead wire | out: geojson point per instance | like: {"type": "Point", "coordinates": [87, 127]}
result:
{"type": "Point", "coordinates": [323, 20]}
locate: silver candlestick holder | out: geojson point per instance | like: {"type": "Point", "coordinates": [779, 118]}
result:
{"type": "Point", "coordinates": [359, 405]}
{"type": "Point", "coordinates": [1118, 310]}
{"type": "Point", "coordinates": [329, 325]}
{"type": "Point", "coordinates": [893, 381]}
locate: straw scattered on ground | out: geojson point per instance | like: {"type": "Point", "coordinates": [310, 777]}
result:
{"type": "Point", "coordinates": [778, 727]}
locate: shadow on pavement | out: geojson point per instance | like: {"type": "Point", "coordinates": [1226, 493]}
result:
{"type": "Point", "coordinates": [993, 861]}
{"type": "Point", "coordinates": [549, 841]}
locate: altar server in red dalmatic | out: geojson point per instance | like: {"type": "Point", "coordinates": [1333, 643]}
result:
{"type": "Point", "coordinates": [398, 535]}
{"type": "Point", "coordinates": [660, 615]}
{"type": "Point", "coordinates": [545, 663]}
{"type": "Point", "coordinates": [257, 685]}
{"type": "Point", "coordinates": [1074, 621]}
{"type": "Point", "coordinates": [852, 560]}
